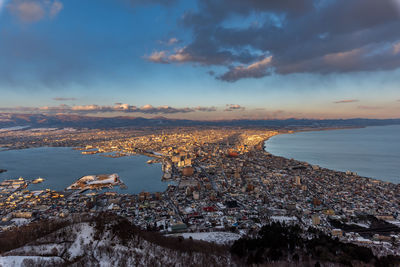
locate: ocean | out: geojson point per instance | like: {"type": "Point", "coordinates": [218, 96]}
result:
{"type": "Point", "coordinates": [62, 166]}
{"type": "Point", "coordinates": [371, 152]}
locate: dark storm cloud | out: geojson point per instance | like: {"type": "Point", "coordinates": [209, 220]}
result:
{"type": "Point", "coordinates": [321, 36]}
{"type": "Point", "coordinates": [256, 70]}
{"type": "Point", "coordinates": [215, 11]}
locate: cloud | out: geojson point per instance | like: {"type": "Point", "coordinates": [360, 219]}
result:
{"type": "Point", "coordinates": [257, 69]}
{"type": "Point", "coordinates": [373, 57]}
{"type": "Point", "coordinates": [116, 108]}
{"type": "Point", "coordinates": [55, 8]}
{"type": "Point", "coordinates": [205, 109]}
{"type": "Point", "coordinates": [172, 41]}
{"type": "Point", "coordinates": [211, 72]}
{"type": "Point", "coordinates": [346, 101]}
{"type": "Point", "coordinates": [202, 56]}
{"type": "Point", "coordinates": [232, 107]}
{"type": "Point", "coordinates": [64, 98]}
{"type": "Point", "coordinates": [34, 10]}
{"type": "Point", "coordinates": [396, 48]}
{"type": "Point", "coordinates": [370, 107]}
{"type": "Point", "coordinates": [164, 57]}
{"type": "Point", "coordinates": [27, 11]}
{"type": "Point", "coordinates": [119, 107]}
{"type": "Point", "coordinates": [180, 56]}
{"type": "Point", "coordinates": [158, 57]}
{"type": "Point", "coordinates": [301, 36]}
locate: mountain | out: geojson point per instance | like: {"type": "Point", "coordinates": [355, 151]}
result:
{"type": "Point", "coordinates": [78, 121]}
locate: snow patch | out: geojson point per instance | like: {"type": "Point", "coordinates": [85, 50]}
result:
{"type": "Point", "coordinates": [22, 260]}
{"type": "Point", "coordinates": [213, 237]}
{"type": "Point", "coordinates": [84, 236]}
{"type": "Point", "coordinates": [283, 219]}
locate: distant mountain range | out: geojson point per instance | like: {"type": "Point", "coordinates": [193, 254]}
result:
{"type": "Point", "coordinates": [78, 121]}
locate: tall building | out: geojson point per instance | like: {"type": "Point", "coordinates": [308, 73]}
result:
{"type": "Point", "coordinates": [297, 180]}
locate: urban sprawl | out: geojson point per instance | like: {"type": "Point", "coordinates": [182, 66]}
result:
{"type": "Point", "coordinates": [222, 180]}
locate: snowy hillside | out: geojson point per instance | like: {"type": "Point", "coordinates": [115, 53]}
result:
{"type": "Point", "coordinates": [109, 244]}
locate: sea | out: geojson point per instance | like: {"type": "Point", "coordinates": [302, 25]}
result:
{"type": "Point", "coordinates": [62, 166]}
{"type": "Point", "coordinates": [372, 152]}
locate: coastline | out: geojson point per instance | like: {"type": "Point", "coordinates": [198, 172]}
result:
{"type": "Point", "coordinates": [232, 179]}
{"type": "Point", "coordinates": [308, 130]}
{"type": "Point", "coordinates": [262, 146]}
{"type": "Point", "coordinates": [321, 165]}
{"type": "Point", "coordinates": [141, 157]}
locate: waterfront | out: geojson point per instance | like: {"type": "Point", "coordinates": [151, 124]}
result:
{"type": "Point", "coordinates": [63, 166]}
{"type": "Point", "coordinates": [223, 181]}
{"type": "Point", "coordinates": [371, 152]}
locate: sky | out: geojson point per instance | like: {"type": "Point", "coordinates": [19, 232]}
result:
{"type": "Point", "coordinates": [201, 59]}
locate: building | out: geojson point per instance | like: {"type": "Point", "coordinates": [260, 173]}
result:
{"type": "Point", "coordinates": [178, 227]}
{"type": "Point", "coordinates": [337, 233]}
{"type": "Point", "coordinates": [188, 171]}
{"type": "Point", "coordinates": [316, 220]}
{"type": "Point", "coordinates": [26, 215]}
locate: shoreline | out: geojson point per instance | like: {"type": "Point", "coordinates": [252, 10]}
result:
{"type": "Point", "coordinates": [146, 157]}
{"type": "Point", "coordinates": [262, 144]}
{"type": "Point", "coordinates": [317, 164]}
{"type": "Point", "coordinates": [233, 179]}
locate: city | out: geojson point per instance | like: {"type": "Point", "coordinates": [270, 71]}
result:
{"type": "Point", "coordinates": [200, 133]}
{"type": "Point", "coordinates": [223, 181]}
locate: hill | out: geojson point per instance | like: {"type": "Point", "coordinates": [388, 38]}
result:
{"type": "Point", "coordinates": [105, 240]}
{"type": "Point", "coordinates": [77, 121]}
{"type": "Point", "coordinates": [110, 240]}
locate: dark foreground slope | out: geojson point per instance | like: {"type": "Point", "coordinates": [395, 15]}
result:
{"type": "Point", "coordinates": [109, 240]}
{"type": "Point", "coordinates": [277, 242]}
{"type": "Point", "coordinates": [105, 240]}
